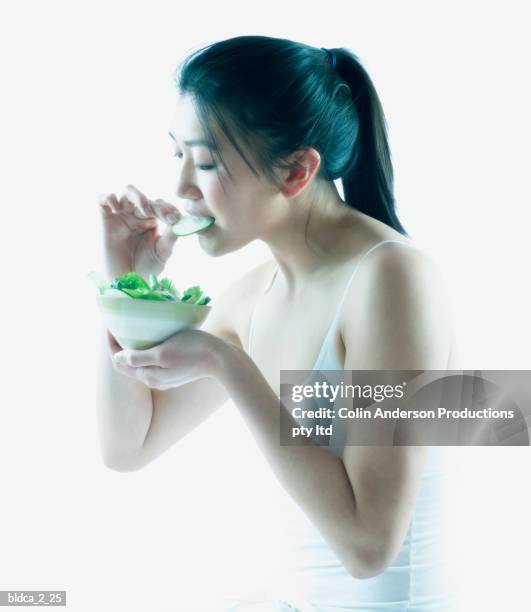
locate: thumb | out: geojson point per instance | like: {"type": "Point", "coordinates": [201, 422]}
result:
{"type": "Point", "coordinates": [136, 359]}
{"type": "Point", "coordinates": [164, 245]}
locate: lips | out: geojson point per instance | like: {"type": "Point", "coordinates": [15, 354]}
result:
{"type": "Point", "coordinates": [192, 209]}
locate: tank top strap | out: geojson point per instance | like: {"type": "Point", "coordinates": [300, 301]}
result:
{"type": "Point", "coordinates": [356, 268]}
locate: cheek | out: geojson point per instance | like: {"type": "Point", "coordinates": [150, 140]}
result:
{"type": "Point", "coordinates": [227, 200]}
{"type": "Point", "coordinates": [217, 198]}
{"type": "Point", "coordinates": [239, 200]}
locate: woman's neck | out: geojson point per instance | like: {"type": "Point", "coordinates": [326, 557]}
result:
{"type": "Point", "coordinates": [314, 236]}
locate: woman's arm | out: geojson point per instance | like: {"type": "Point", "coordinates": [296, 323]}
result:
{"type": "Point", "coordinates": [362, 504]}
{"type": "Point", "coordinates": [314, 478]}
{"type": "Point", "coordinates": [124, 409]}
{"type": "Point", "coordinates": [399, 318]}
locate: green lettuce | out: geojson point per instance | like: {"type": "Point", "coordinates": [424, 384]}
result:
{"type": "Point", "coordinates": [136, 286]}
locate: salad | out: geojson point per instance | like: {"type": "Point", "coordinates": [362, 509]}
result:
{"type": "Point", "coordinates": [135, 286]}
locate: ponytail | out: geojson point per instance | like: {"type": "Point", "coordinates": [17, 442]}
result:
{"type": "Point", "coordinates": [368, 179]}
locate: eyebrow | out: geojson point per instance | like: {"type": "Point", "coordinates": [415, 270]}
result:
{"type": "Point", "coordinates": [196, 142]}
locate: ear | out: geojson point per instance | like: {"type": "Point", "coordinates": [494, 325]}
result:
{"type": "Point", "coordinates": [294, 181]}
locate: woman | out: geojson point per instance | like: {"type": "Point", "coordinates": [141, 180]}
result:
{"type": "Point", "coordinates": [263, 128]}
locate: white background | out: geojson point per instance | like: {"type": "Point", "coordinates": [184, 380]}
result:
{"type": "Point", "coordinates": [86, 103]}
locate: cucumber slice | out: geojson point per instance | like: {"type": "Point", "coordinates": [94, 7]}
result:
{"type": "Point", "coordinates": [190, 224]}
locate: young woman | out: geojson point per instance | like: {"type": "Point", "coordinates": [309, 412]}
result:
{"type": "Point", "coordinates": [263, 128]}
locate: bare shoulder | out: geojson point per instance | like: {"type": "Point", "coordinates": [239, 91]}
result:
{"type": "Point", "coordinates": [399, 256]}
{"type": "Point", "coordinates": [398, 310]}
{"type": "Point", "coordinates": [230, 312]}
{"type": "Point", "coordinates": [400, 267]}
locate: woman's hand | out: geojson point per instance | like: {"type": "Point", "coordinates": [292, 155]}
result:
{"type": "Point", "coordinates": [131, 240]}
{"type": "Point", "coordinates": [184, 357]}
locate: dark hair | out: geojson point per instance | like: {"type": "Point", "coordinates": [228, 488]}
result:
{"type": "Point", "coordinates": [278, 96]}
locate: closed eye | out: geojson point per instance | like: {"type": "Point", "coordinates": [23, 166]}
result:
{"type": "Point", "coordinates": [204, 167]}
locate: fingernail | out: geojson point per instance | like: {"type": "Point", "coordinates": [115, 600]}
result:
{"type": "Point", "coordinates": [173, 217]}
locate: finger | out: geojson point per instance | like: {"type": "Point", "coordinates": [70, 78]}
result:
{"type": "Point", "coordinates": [146, 375]}
{"type": "Point", "coordinates": [102, 198]}
{"type": "Point", "coordinates": [113, 202]}
{"type": "Point", "coordinates": [166, 212]}
{"type": "Point", "coordinates": [126, 370]}
{"type": "Point", "coordinates": [149, 375]}
{"type": "Point", "coordinates": [112, 343]}
{"type": "Point", "coordinates": [127, 206]}
{"type": "Point", "coordinates": [106, 211]}
{"type": "Point", "coordinates": [104, 201]}
{"type": "Point", "coordinates": [141, 202]}
{"type": "Point", "coordinates": [164, 245]}
{"type": "Point", "coordinates": [137, 359]}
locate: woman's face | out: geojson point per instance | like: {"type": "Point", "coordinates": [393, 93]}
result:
{"type": "Point", "coordinates": [243, 205]}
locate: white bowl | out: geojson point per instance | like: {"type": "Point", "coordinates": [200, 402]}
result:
{"type": "Point", "coordinates": [141, 324]}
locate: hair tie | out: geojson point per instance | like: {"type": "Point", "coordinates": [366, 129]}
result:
{"type": "Point", "coordinates": [331, 56]}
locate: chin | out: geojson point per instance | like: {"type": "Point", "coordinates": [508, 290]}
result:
{"type": "Point", "coordinates": [213, 246]}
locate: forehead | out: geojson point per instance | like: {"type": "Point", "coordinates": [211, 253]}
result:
{"type": "Point", "coordinates": [184, 120]}
{"type": "Point", "coordinates": [186, 126]}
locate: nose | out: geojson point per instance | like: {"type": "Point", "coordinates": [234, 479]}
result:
{"type": "Point", "coordinates": [186, 187]}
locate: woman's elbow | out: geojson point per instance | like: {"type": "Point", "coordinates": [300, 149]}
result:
{"type": "Point", "coordinates": [362, 572]}
{"type": "Point", "coordinates": [369, 563]}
